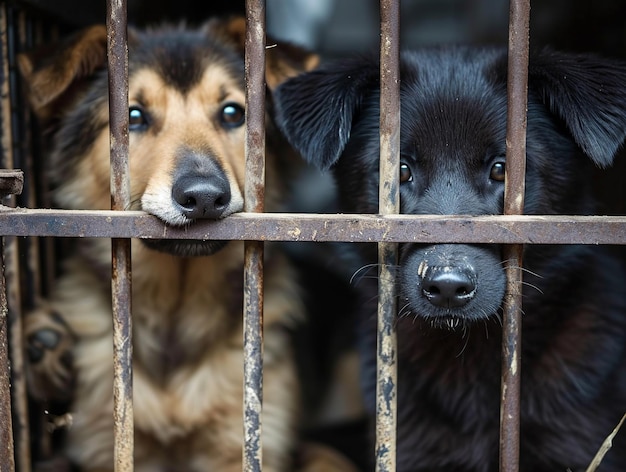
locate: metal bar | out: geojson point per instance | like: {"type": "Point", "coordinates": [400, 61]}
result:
{"type": "Point", "coordinates": [7, 461]}
{"type": "Point", "coordinates": [117, 49]}
{"type": "Point", "coordinates": [117, 52]}
{"type": "Point", "coordinates": [296, 227]}
{"type": "Point", "coordinates": [514, 205]}
{"type": "Point", "coordinates": [21, 279]}
{"type": "Point", "coordinates": [32, 281]}
{"type": "Point", "coordinates": [21, 429]}
{"type": "Point", "coordinates": [253, 252]}
{"type": "Point", "coordinates": [388, 203]}
{"type": "Point", "coordinates": [12, 289]}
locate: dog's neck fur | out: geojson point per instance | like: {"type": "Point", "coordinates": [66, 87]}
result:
{"type": "Point", "coordinates": [163, 289]}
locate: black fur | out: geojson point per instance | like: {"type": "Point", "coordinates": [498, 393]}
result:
{"type": "Point", "coordinates": [453, 125]}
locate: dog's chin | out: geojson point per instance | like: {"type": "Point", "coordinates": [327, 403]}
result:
{"type": "Point", "coordinates": [185, 247]}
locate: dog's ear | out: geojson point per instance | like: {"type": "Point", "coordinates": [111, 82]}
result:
{"type": "Point", "coordinates": [53, 74]}
{"type": "Point", "coordinates": [315, 110]}
{"type": "Point", "coordinates": [589, 94]}
{"type": "Point", "coordinates": [282, 60]}
{"type": "Point", "coordinates": [285, 60]}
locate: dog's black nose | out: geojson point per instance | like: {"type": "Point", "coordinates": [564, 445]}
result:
{"type": "Point", "coordinates": [202, 196]}
{"type": "Point", "coordinates": [448, 287]}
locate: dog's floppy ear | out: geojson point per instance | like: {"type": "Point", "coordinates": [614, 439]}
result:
{"type": "Point", "coordinates": [285, 60]}
{"type": "Point", "coordinates": [589, 94]}
{"type": "Point", "coordinates": [52, 74]}
{"type": "Point", "coordinates": [315, 110]}
{"type": "Point", "coordinates": [282, 60]}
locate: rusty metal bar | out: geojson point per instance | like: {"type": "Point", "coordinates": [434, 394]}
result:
{"type": "Point", "coordinates": [7, 461]}
{"type": "Point", "coordinates": [117, 52]}
{"type": "Point", "coordinates": [19, 400]}
{"type": "Point", "coordinates": [253, 253]}
{"type": "Point", "coordinates": [388, 203]}
{"type": "Point", "coordinates": [519, 16]}
{"type": "Point", "coordinates": [296, 227]}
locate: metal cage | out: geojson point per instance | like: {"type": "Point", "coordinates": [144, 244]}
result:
{"type": "Point", "coordinates": [21, 225]}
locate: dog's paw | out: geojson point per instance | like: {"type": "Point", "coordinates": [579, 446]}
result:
{"type": "Point", "coordinates": [49, 367]}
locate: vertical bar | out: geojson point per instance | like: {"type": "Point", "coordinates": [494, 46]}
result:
{"type": "Point", "coordinates": [386, 394]}
{"type": "Point", "coordinates": [253, 263]}
{"type": "Point", "coordinates": [12, 294]}
{"type": "Point", "coordinates": [24, 160]}
{"type": "Point", "coordinates": [41, 262]}
{"type": "Point", "coordinates": [117, 49]}
{"type": "Point", "coordinates": [514, 204]}
{"type": "Point", "coordinates": [43, 198]}
{"type": "Point", "coordinates": [7, 461]}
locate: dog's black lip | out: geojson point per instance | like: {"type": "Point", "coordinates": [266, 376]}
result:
{"type": "Point", "coordinates": [186, 247]}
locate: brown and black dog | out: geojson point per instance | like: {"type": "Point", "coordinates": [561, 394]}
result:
{"type": "Point", "coordinates": [186, 95]}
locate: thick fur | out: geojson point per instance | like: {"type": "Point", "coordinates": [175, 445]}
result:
{"type": "Point", "coordinates": [453, 125]}
{"type": "Point", "coordinates": [186, 93]}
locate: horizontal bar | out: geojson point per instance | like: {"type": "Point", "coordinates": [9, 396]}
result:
{"type": "Point", "coordinates": [502, 229]}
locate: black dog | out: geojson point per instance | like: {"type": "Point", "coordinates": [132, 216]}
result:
{"type": "Point", "coordinates": [453, 127]}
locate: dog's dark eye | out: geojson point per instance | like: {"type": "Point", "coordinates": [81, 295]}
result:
{"type": "Point", "coordinates": [405, 174]}
{"type": "Point", "coordinates": [497, 172]}
{"type": "Point", "coordinates": [136, 119]}
{"type": "Point", "coordinates": [233, 115]}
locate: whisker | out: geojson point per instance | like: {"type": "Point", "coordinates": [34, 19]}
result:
{"type": "Point", "coordinates": [404, 311]}
{"type": "Point", "coordinates": [528, 271]}
{"type": "Point", "coordinates": [465, 335]}
{"type": "Point", "coordinates": [523, 269]}
{"type": "Point", "coordinates": [498, 318]}
{"type": "Point", "coordinates": [528, 284]}
{"type": "Point", "coordinates": [134, 203]}
{"type": "Point", "coordinates": [366, 267]}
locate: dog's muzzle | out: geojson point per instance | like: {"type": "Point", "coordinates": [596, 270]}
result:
{"type": "Point", "coordinates": [200, 190]}
{"type": "Point", "coordinates": [450, 285]}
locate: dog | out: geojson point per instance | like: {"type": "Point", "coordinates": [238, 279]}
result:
{"type": "Point", "coordinates": [450, 296]}
{"type": "Point", "coordinates": [186, 157]}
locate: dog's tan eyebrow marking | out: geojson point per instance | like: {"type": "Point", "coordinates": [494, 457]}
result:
{"type": "Point", "coordinates": [223, 93]}
{"type": "Point", "coordinates": [140, 97]}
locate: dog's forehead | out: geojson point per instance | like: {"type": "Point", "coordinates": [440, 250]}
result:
{"type": "Point", "coordinates": [214, 85]}
{"type": "Point", "coordinates": [182, 57]}
{"type": "Point", "coordinates": [452, 99]}
{"type": "Point", "coordinates": [452, 72]}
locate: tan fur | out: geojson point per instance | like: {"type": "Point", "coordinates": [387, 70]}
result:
{"type": "Point", "coordinates": [187, 313]}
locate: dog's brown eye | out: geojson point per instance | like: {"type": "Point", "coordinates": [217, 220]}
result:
{"type": "Point", "coordinates": [233, 115]}
{"type": "Point", "coordinates": [405, 173]}
{"type": "Point", "coordinates": [136, 119]}
{"type": "Point", "coordinates": [497, 172]}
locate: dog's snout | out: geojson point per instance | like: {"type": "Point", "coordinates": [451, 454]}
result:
{"type": "Point", "coordinates": [448, 287]}
{"type": "Point", "coordinates": [202, 196]}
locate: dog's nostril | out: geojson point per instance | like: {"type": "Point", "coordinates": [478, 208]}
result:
{"type": "Point", "coordinates": [220, 203]}
{"type": "Point", "coordinates": [448, 287]}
